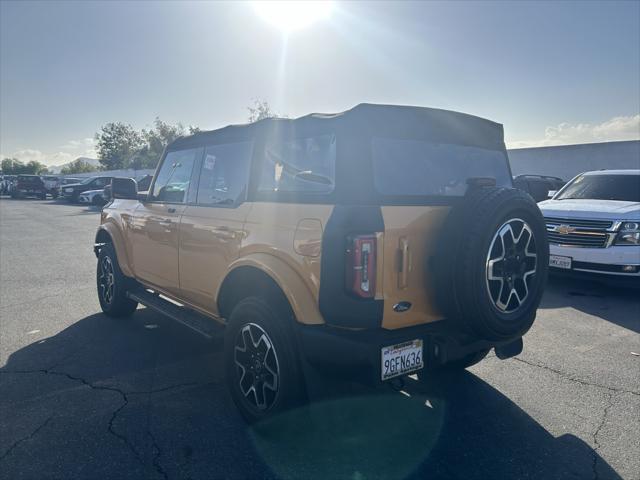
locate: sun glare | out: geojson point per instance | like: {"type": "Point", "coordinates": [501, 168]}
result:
{"type": "Point", "coordinates": [293, 15]}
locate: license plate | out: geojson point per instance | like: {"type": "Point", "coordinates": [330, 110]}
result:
{"type": "Point", "coordinates": [401, 359]}
{"type": "Point", "coordinates": [559, 261]}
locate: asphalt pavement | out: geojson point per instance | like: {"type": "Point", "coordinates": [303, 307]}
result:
{"type": "Point", "coordinates": [83, 396]}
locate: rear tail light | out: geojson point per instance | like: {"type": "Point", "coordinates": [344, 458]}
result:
{"type": "Point", "coordinates": [360, 269]}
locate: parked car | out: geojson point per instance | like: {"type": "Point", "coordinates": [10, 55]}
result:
{"type": "Point", "coordinates": [29, 186]}
{"type": "Point", "coordinates": [52, 184]}
{"type": "Point", "coordinates": [72, 191]}
{"type": "Point", "coordinates": [538, 186]}
{"type": "Point", "coordinates": [593, 225]}
{"type": "Point", "coordinates": [376, 243]}
{"type": "Point", "coordinates": [6, 184]}
{"type": "Point", "coordinates": [93, 197]}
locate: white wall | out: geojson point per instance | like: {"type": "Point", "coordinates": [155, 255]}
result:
{"type": "Point", "coordinates": [114, 173]}
{"type": "Point", "coordinates": [569, 160]}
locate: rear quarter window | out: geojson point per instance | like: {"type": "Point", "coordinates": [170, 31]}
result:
{"type": "Point", "coordinates": [416, 168]}
{"type": "Point", "coordinates": [302, 165]}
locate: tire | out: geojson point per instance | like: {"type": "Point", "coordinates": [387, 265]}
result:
{"type": "Point", "coordinates": [493, 243]}
{"type": "Point", "coordinates": [97, 201]}
{"type": "Point", "coordinates": [112, 285]}
{"type": "Point", "coordinates": [256, 330]}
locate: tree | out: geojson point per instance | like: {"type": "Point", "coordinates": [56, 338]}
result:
{"type": "Point", "coordinates": [260, 110]}
{"type": "Point", "coordinates": [79, 165]}
{"type": "Point", "coordinates": [116, 145]}
{"type": "Point", "coordinates": [13, 166]}
{"type": "Point", "coordinates": [156, 139]}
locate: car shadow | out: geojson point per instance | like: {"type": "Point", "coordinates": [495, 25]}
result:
{"type": "Point", "coordinates": [615, 304]}
{"type": "Point", "coordinates": [144, 397]}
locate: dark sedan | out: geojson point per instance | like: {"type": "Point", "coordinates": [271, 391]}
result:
{"type": "Point", "coordinates": [72, 192]}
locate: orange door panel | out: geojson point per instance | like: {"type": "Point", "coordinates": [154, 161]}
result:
{"type": "Point", "coordinates": [410, 237]}
{"type": "Point", "coordinates": [154, 242]}
{"type": "Point", "coordinates": [210, 239]}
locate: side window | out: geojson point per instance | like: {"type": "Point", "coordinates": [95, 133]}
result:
{"type": "Point", "coordinates": [172, 182]}
{"type": "Point", "coordinates": [300, 165]}
{"type": "Point", "coordinates": [224, 174]}
{"type": "Point", "coordinates": [100, 182]}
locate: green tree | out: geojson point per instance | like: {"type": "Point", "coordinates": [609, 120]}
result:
{"type": "Point", "coordinates": [117, 143]}
{"type": "Point", "coordinates": [156, 139]}
{"type": "Point", "coordinates": [260, 110]}
{"type": "Point", "coordinates": [79, 165]}
{"type": "Point", "coordinates": [13, 166]}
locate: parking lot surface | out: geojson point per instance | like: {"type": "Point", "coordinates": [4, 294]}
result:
{"type": "Point", "coordinates": [85, 396]}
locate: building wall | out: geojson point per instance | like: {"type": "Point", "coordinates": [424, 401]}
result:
{"type": "Point", "coordinates": [569, 160]}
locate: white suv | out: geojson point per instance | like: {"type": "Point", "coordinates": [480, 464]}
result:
{"type": "Point", "coordinates": [593, 224]}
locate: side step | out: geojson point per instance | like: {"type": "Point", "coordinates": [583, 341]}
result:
{"type": "Point", "coordinates": [197, 322]}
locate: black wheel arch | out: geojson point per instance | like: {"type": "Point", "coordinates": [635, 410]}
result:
{"type": "Point", "coordinates": [247, 281]}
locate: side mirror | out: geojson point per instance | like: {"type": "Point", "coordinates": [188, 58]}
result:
{"type": "Point", "coordinates": [551, 193]}
{"type": "Point", "coordinates": [125, 188]}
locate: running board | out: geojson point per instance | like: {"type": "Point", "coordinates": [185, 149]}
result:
{"type": "Point", "coordinates": [197, 322]}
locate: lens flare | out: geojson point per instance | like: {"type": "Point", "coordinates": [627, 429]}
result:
{"type": "Point", "coordinates": [288, 16]}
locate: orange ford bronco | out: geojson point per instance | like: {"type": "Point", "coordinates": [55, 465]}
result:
{"type": "Point", "coordinates": [379, 242]}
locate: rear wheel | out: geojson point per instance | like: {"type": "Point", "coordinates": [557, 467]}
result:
{"type": "Point", "coordinates": [112, 285]}
{"type": "Point", "coordinates": [262, 371]}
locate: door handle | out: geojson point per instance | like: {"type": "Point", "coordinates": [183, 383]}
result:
{"type": "Point", "coordinates": [404, 263]}
{"type": "Point", "coordinates": [171, 210]}
{"type": "Point", "coordinates": [165, 223]}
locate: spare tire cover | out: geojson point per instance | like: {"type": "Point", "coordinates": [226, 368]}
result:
{"type": "Point", "coordinates": [492, 262]}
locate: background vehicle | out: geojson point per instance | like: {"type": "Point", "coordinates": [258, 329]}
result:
{"type": "Point", "coordinates": [29, 186]}
{"type": "Point", "coordinates": [93, 197]}
{"type": "Point", "coordinates": [6, 184]}
{"type": "Point", "coordinates": [538, 186]}
{"type": "Point", "coordinates": [374, 243]}
{"type": "Point", "coordinates": [52, 184]}
{"type": "Point", "coordinates": [593, 224]}
{"type": "Point", "coordinates": [72, 191]}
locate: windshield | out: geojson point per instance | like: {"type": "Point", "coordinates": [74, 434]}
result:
{"type": "Point", "coordinates": [86, 180]}
{"type": "Point", "coordinates": [625, 188]}
{"type": "Point", "coordinates": [413, 167]}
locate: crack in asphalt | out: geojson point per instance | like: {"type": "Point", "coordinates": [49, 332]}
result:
{"type": "Point", "coordinates": [24, 439]}
{"type": "Point", "coordinates": [156, 457]}
{"type": "Point", "coordinates": [596, 442]}
{"type": "Point", "coordinates": [572, 378]}
{"type": "Point", "coordinates": [114, 415]}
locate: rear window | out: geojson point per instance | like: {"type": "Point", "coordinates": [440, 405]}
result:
{"type": "Point", "coordinates": [417, 168]}
{"type": "Point", "coordinates": [624, 188]}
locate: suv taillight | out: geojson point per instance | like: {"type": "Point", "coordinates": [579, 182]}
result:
{"type": "Point", "coordinates": [360, 270]}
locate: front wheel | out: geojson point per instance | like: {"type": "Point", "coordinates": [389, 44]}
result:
{"type": "Point", "coordinates": [262, 371]}
{"type": "Point", "coordinates": [112, 285]}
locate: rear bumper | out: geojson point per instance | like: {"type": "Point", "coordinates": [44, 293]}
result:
{"type": "Point", "coordinates": [356, 354]}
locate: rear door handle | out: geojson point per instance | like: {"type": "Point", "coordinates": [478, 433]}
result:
{"type": "Point", "coordinates": [165, 223]}
{"type": "Point", "coordinates": [171, 210]}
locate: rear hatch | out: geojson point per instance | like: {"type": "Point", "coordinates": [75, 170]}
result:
{"type": "Point", "coordinates": [418, 182]}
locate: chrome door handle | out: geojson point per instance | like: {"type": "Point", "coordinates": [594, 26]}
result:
{"type": "Point", "coordinates": [165, 223]}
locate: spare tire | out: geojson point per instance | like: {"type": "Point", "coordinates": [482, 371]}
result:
{"type": "Point", "coordinates": [492, 262]}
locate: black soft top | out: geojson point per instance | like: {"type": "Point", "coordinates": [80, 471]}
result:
{"type": "Point", "coordinates": [365, 121]}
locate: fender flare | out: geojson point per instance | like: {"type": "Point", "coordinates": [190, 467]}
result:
{"type": "Point", "coordinates": [118, 244]}
{"type": "Point", "coordinates": [303, 303]}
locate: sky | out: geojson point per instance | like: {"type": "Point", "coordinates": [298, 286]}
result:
{"type": "Point", "coordinates": [551, 72]}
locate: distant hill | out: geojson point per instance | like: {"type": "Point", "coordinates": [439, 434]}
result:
{"type": "Point", "coordinates": [91, 161]}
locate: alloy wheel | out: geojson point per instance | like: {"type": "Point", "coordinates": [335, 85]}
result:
{"type": "Point", "coordinates": [106, 280]}
{"type": "Point", "coordinates": [257, 366]}
{"type": "Point", "coordinates": [511, 265]}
